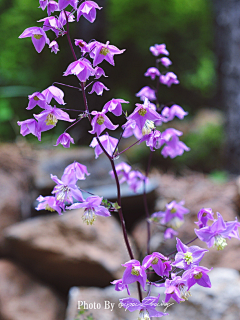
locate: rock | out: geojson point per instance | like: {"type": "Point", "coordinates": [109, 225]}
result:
{"type": "Point", "coordinates": [221, 302]}
{"type": "Point", "coordinates": [23, 298]}
{"type": "Point", "coordinates": [65, 252]}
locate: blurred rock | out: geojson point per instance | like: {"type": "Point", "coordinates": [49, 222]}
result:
{"type": "Point", "coordinates": [221, 302]}
{"type": "Point", "coordinates": [65, 252]}
{"type": "Point", "coordinates": [23, 298]}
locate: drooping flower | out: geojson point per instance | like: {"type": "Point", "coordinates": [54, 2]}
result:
{"type": "Point", "coordinates": [82, 45]}
{"type": "Point", "coordinates": [81, 68]}
{"type": "Point", "coordinates": [173, 111]}
{"type": "Point", "coordinates": [154, 260]}
{"type": "Point", "coordinates": [168, 79]}
{"type": "Point", "coordinates": [173, 147]}
{"type": "Point", "coordinates": [62, 18]}
{"type": "Point", "coordinates": [64, 139]}
{"type": "Point", "coordinates": [49, 204]}
{"type": "Point", "coordinates": [122, 170]}
{"type": "Point", "coordinates": [152, 72]}
{"type": "Point", "coordinates": [36, 99]}
{"type": "Point", "coordinates": [50, 4]}
{"type": "Point", "coordinates": [114, 106]}
{"type": "Point", "coordinates": [66, 188]}
{"type": "Point", "coordinates": [29, 126]}
{"type": "Point", "coordinates": [169, 233]}
{"type": "Point", "coordinates": [92, 207]}
{"type": "Point", "coordinates": [187, 257]}
{"type": "Point", "coordinates": [54, 92]}
{"type": "Point", "coordinates": [174, 289]}
{"type": "Point", "coordinates": [99, 72]}
{"type": "Point", "coordinates": [153, 140]}
{"type": "Point", "coordinates": [134, 272]}
{"type": "Point", "coordinates": [100, 51]}
{"type": "Point", "coordinates": [147, 307]}
{"type": "Point", "coordinates": [50, 117]}
{"type": "Point", "coordinates": [165, 62]}
{"type": "Point", "coordinates": [51, 23]}
{"type": "Point", "coordinates": [100, 122]}
{"type": "Point", "coordinates": [197, 275]}
{"type": "Point", "coordinates": [146, 92]}
{"type": "Point", "coordinates": [204, 215]}
{"type": "Point", "coordinates": [216, 234]}
{"type": "Point", "coordinates": [88, 10]}
{"type": "Point", "coordinates": [38, 35]}
{"type": "Point", "coordinates": [78, 169]}
{"type": "Point", "coordinates": [64, 3]}
{"type": "Point", "coordinates": [98, 87]}
{"type": "Point", "coordinates": [109, 143]}
{"type": "Point", "coordinates": [54, 47]}
{"type": "Point", "coordinates": [131, 128]}
{"type": "Point", "coordinates": [158, 49]}
{"type": "Point", "coordinates": [135, 180]}
{"type": "Point", "coordinates": [119, 286]}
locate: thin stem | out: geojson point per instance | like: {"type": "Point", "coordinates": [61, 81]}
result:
{"type": "Point", "coordinates": [118, 142]}
{"type": "Point", "coordinates": [145, 203]}
{"type": "Point", "coordinates": [72, 125]}
{"type": "Point", "coordinates": [127, 148]}
{"type": "Point", "coordinates": [185, 245]}
{"type": "Point", "coordinates": [68, 36]}
{"type": "Point", "coordinates": [66, 85]}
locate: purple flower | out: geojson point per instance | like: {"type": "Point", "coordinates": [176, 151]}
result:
{"type": "Point", "coordinates": [131, 128]}
{"type": "Point", "coordinates": [29, 126]}
{"type": "Point", "coordinates": [64, 3]}
{"type": "Point", "coordinates": [100, 122]}
{"type": "Point", "coordinates": [153, 73]}
{"type": "Point", "coordinates": [187, 257]}
{"type": "Point", "coordinates": [154, 260]}
{"type": "Point", "coordinates": [54, 47]}
{"type": "Point", "coordinates": [39, 37]}
{"type": "Point", "coordinates": [168, 79]}
{"type": "Point", "coordinates": [122, 170]}
{"type": "Point", "coordinates": [50, 117]}
{"type": "Point", "coordinates": [66, 188]}
{"type": "Point", "coordinates": [114, 106]}
{"type": "Point", "coordinates": [53, 92]}
{"type": "Point", "coordinates": [169, 233]}
{"type": "Point", "coordinates": [98, 87]}
{"type": "Point", "coordinates": [79, 169]}
{"type": "Point", "coordinates": [36, 99]}
{"type": "Point", "coordinates": [88, 10]}
{"type": "Point", "coordinates": [81, 68]}
{"type": "Point", "coordinates": [175, 289]}
{"type": "Point", "coordinates": [215, 234]}
{"type": "Point", "coordinates": [43, 4]}
{"type": "Point", "coordinates": [101, 51]}
{"type": "Point", "coordinates": [165, 62]}
{"type": "Point", "coordinates": [146, 92]}
{"type": "Point", "coordinates": [134, 272]}
{"type": "Point", "coordinates": [119, 286]}
{"type": "Point", "coordinates": [142, 113]}
{"type": "Point", "coordinates": [51, 23]}
{"type": "Point", "coordinates": [64, 139]}
{"type": "Point", "coordinates": [82, 45]}
{"type": "Point", "coordinates": [153, 140]}
{"type": "Point", "coordinates": [92, 207]}
{"type": "Point", "coordinates": [173, 111]}
{"type": "Point", "coordinates": [99, 72]}
{"type": "Point", "coordinates": [62, 18]}
{"type": "Point", "coordinates": [173, 147]}
{"type": "Point", "coordinates": [52, 6]}
{"type": "Point", "coordinates": [204, 215]}
{"type": "Point", "coordinates": [147, 307]}
{"type": "Point", "coordinates": [48, 203]}
{"type": "Point", "coordinates": [158, 49]}
{"type": "Point", "coordinates": [197, 275]}
{"type": "Point", "coordinates": [109, 144]}
{"type": "Point", "coordinates": [135, 180]}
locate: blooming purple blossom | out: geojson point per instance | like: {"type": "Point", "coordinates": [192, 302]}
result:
{"type": "Point", "coordinates": [98, 87]}
{"type": "Point", "coordinates": [204, 215]}
{"type": "Point", "coordinates": [64, 139]}
{"type": "Point", "coordinates": [54, 47]}
{"type": "Point", "coordinates": [51, 23]}
{"type": "Point", "coordinates": [173, 111]}
{"type": "Point", "coordinates": [169, 233]}
{"type": "Point", "coordinates": [78, 169]}
{"type": "Point", "coordinates": [175, 289]}
{"type": "Point", "coordinates": [134, 272]}
{"type": "Point", "coordinates": [146, 92]}
{"type": "Point", "coordinates": [135, 180]}
{"type": "Point", "coordinates": [100, 51]}
{"type": "Point", "coordinates": [173, 146]}
{"type": "Point", "coordinates": [54, 92]}
{"type": "Point", "coordinates": [64, 3]}
{"type": "Point", "coordinates": [153, 140]}
{"type": "Point", "coordinates": [38, 35]}
{"type": "Point", "coordinates": [88, 10]}
{"type": "Point", "coordinates": [92, 207]}
{"type": "Point", "coordinates": [152, 72]}
{"type": "Point", "coordinates": [215, 234]}
{"type": "Point", "coordinates": [187, 257]}
{"type": "Point", "coordinates": [147, 307]}
{"type": "Point", "coordinates": [99, 72]}
{"type": "Point", "coordinates": [82, 45]}
{"type": "Point", "coordinates": [119, 286]}
{"type": "Point", "coordinates": [131, 128]}
{"type": "Point", "coordinates": [36, 99]}
{"type": "Point", "coordinates": [48, 203]}
{"type": "Point", "coordinates": [50, 4]}
{"type": "Point", "coordinates": [29, 126]}
{"type": "Point", "coordinates": [197, 275]}
{"type": "Point", "coordinates": [109, 143]}
{"type": "Point", "coordinates": [155, 261]}
{"type": "Point", "coordinates": [100, 122]}
{"type": "Point", "coordinates": [62, 18]}
{"type": "Point", "coordinates": [81, 68]}
{"type": "Point", "coordinates": [169, 78]}
{"type": "Point", "coordinates": [122, 170]}
{"type": "Point", "coordinates": [114, 106]}
{"type": "Point", "coordinates": [158, 49]}
{"type": "Point", "coordinates": [165, 62]}
{"type": "Point", "coordinates": [50, 117]}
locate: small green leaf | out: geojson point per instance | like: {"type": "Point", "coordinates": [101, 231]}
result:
{"type": "Point", "coordinates": [116, 206]}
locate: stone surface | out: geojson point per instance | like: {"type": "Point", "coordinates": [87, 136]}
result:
{"type": "Point", "coordinates": [64, 251]}
{"type": "Point", "coordinates": [221, 302]}
{"type": "Point", "coordinates": [198, 191]}
{"type": "Point", "coordinates": [23, 298]}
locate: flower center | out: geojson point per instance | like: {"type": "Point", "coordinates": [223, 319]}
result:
{"type": "Point", "coordinates": [155, 261]}
{"type": "Point", "coordinates": [220, 243]}
{"type": "Point", "coordinates": [142, 111]}
{"type": "Point", "coordinates": [37, 36]}
{"type": "Point", "coordinates": [185, 294]}
{"type": "Point", "coordinates": [143, 315]}
{"type": "Point", "coordinates": [174, 210]}
{"type": "Point", "coordinates": [135, 272]}
{"type": "Point", "coordinates": [51, 120]}
{"type": "Point", "coordinates": [48, 208]}
{"type": "Point", "coordinates": [100, 120]}
{"type": "Point", "coordinates": [148, 127]}
{"type": "Point", "coordinates": [188, 257]}
{"type": "Point", "coordinates": [198, 276]}
{"type": "Point", "coordinates": [204, 214]}
{"type": "Point", "coordinates": [104, 51]}
{"type": "Point", "coordinates": [36, 98]}
{"type": "Point", "coordinates": [89, 216]}
{"type": "Point", "coordinates": [62, 193]}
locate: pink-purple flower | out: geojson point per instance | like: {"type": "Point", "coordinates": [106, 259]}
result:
{"type": "Point", "coordinates": [158, 49]}
{"type": "Point", "coordinates": [54, 47]}
{"type": "Point", "coordinates": [154, 260]}
{"type": "Point", "coordinates": [168, 79]}
{"type": "Point", "coordinates": [152, 72]}
{"type": "Point", "coordinates": [197, 275]}
{"type": "Point", "coordinates": [122, 170]}
{"type": "Point", "coordinates": [81, 68]}
{"type": "Point", "coordinates": [165, 62]}
{"type": "Point", "coordinates": [54, 92]}
{"type": "Point", "coordinates": [98, 88]}
{"type": "Point", "coordinates": [100, 122]}
{"type": "Point", "coordinates": [49, 204]}
{"type": "Point", "coordinates": [88, 10]}
{"type": "Point", "coordinates": [64, 3]}
{"type": "Point", "coordinates": [109, 143]}
{"type": "Point", "coordinates": [38, 35]}
{"type": "Point", "coordinates": [173, 111]}
{"type": "Point", "coordinates": [64, 139]}
{"type": "Point", "coordinates": [134, 272]}
{"type": "Point", "coordinates": [80, 170]}
{"type": "Point", "coordinates": [100, 51]}
{"type": "Point", "coordinates": [114, 106]}
{"type": "Point", "coordinates": [36, 99]}
{"type": "Point", "coordinates": [146, 92]}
